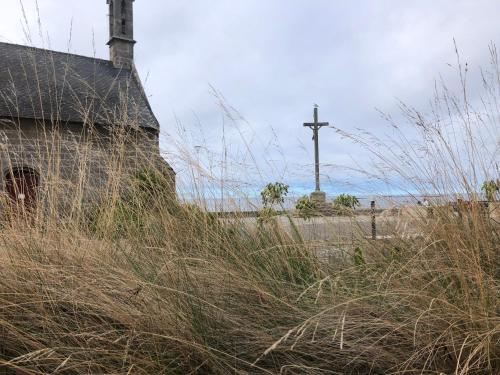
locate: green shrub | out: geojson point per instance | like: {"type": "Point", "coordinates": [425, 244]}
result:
{"type": "Point", "coordinates": [344, 204]}
{"type": "Point", "coordinates": [347, 201]}
{"type": "Point", "coordinates": [490, 189]}
{"type": "Point", "coordinates": [274, 194]}
{"type": "Point", "coordinates": [305, 207]}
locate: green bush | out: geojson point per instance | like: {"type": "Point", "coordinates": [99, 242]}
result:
{"type": "Point", "coordinates": [271, 195]}
{"type": "Point", "coordinates": [133, 210]}
{"type": "Point", "coordinates": [305, 207]}
{"type": "Point", "coordinates": [274, 194]}
{"type": "Point", "coordinates": [347, 201]}
{"type": "Point", "coordinates": [344, 204]}
{"type": "Point", "coordinates": [490, 189]}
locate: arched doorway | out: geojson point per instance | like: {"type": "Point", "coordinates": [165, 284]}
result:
{"type": "Point", "coordinates": [21, 185]}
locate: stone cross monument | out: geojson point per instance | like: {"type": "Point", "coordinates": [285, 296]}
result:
{"type": "Point", "coordinates": [317, 195]}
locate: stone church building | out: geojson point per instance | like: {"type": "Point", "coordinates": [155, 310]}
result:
{"type": "Point", "coordinates": [62, 113]}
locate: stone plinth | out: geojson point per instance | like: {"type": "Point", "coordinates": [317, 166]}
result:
{"type": "Point", "coordinates": [322, 207]}
{"type": "Point", "coordinates": [318, 197]}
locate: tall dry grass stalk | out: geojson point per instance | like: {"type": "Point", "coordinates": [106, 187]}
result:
{"type": "Point", "coordinates": [126, 280]}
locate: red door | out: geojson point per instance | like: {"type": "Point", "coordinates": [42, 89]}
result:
{"type": "Point", "coordinates": [21, 185]}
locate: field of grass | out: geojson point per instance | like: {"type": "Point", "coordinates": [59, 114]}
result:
{"type": "Point", "coordinates": [133, 282]}
{"type": "Point", "coordinates": [151, 287]}
{"type": "Point", "coordinates": [139, 283]}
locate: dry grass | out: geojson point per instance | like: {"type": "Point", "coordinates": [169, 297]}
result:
{"type": "Point", "coordinates": [132, 282]}
{"type": "Point", "coordinates": [175, 291]}
{"type": "Point", "coordinates": [141, 284]}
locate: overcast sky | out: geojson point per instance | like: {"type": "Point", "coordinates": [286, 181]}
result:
{"type": "Point", "coordinates": [272, 60]}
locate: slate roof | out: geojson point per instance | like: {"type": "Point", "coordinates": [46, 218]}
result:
{"type": "Point", "coordinates": [41, 84]}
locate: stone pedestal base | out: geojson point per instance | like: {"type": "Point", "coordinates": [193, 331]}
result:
{"type": "Point", "coordinates": [318, 197]}
{"type": "Point", "coordinates": [322, 207]}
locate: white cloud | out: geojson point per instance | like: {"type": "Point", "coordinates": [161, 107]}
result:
{"type": "Point", "coordinates": [273, 59]}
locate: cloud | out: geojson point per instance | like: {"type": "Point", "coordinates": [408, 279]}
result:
{"type": "Point", "coordinates": [273, 59]}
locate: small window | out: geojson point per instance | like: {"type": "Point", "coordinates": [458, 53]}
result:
{"type": "Point", "coordinates": [124, 26]}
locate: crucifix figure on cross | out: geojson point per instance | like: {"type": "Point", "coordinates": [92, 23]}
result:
{"type": "Point", "coordinates": [315, 126]}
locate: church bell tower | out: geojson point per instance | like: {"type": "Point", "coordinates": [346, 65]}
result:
{"type": "Point", "coordinates": [121, 33]}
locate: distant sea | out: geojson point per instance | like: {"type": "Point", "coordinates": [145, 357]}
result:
{"type": "Point", "coordinates": [250, 204]}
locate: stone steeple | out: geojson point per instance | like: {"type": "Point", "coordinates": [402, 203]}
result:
{"type": "Point", "coordinates": [121, 33]}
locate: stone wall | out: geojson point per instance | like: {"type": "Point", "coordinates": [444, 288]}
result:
{"type": "Point", "coordinates": [69, 159]}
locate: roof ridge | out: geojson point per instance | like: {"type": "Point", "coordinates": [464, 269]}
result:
{"type": "Point", "coordinates": [57, 52]}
